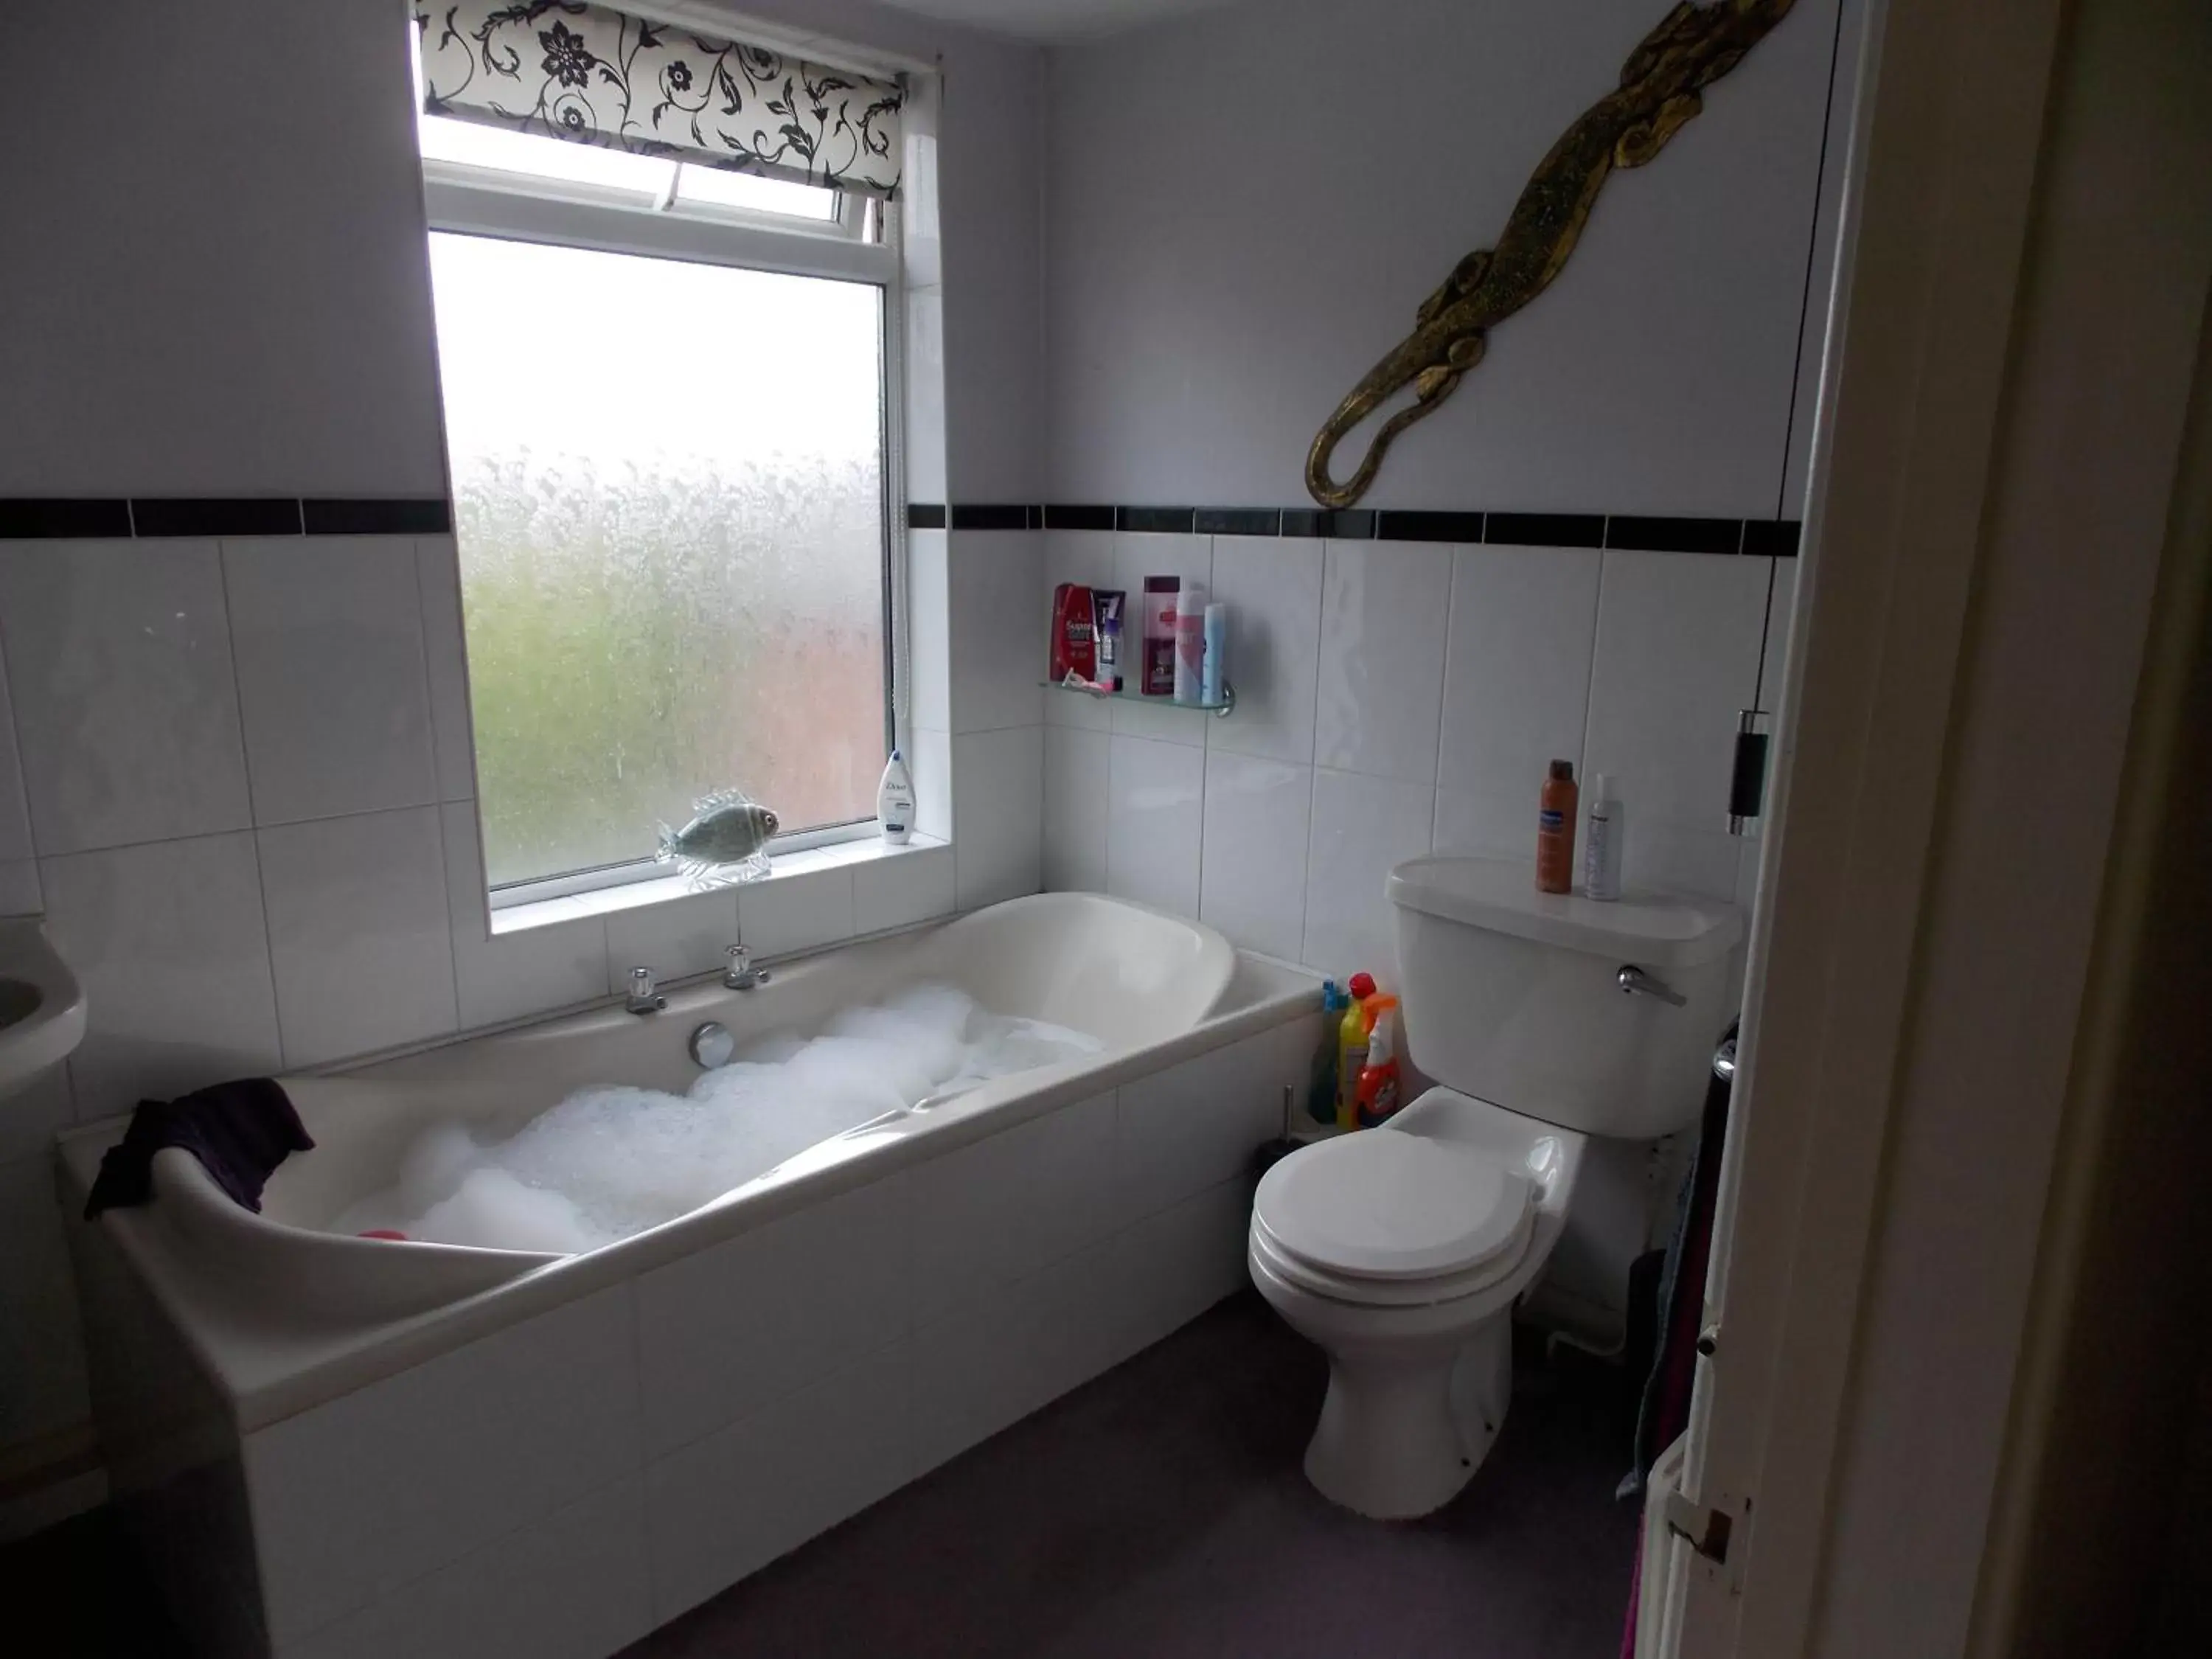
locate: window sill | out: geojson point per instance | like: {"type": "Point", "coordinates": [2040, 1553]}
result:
{"type": "Point", "coordinates": [674, 888]}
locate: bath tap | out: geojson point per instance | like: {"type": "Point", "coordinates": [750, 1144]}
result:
{"type": "Point", "coordinates": [644, 997]}
{"type": "Point", "coordinates": [741, 974]}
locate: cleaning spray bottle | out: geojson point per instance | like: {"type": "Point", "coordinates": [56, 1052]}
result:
{"type": "Point", "coordinates": [1378, 1079]}
{"type": "Point", "coordinates": [1352, 1051]}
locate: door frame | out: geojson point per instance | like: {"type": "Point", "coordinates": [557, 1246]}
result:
{"type": "Point", "coordinates": [1924, 455]}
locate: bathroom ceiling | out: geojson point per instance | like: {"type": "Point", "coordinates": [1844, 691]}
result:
{"type": "Point", "coordinates": [1053, 20]}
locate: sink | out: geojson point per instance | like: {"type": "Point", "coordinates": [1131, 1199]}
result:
{"type": "Point", "coordinates": [41, 1004]}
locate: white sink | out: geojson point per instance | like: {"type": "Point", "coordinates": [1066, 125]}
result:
{"type": "Point", "coordinates": [41, 1004]}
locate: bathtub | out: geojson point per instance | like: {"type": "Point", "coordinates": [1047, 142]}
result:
{"type": "Point", "coordinates": [337, 1446]}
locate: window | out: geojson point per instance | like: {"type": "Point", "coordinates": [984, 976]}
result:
{"type": "Point", "coordinates": [665, 390]}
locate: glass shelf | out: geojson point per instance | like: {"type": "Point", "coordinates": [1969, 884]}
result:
{"type": "Point", "coordinates": [1222, 709]}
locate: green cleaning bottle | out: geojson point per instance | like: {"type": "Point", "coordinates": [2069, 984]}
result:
{"type": "Point", "coordinates": [1320, 1087]}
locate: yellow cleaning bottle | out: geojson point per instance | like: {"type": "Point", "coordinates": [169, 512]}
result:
{"type": "Point", "coordinates": [1352, 1051]}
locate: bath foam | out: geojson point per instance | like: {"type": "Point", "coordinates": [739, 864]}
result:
{"type": "Point", "coordinates": [612, 1160]}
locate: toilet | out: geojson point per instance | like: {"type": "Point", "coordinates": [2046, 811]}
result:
{"type": "Point", "coordinates": [1546, 1020]}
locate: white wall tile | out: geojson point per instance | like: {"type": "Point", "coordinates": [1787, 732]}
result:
{"type": "Point", "coordinates": [1517, 689]}
{"type": "Point", "coordinates": [505, 978]}
{"type": "Point", "coordinates": [728, 1331]}
{"type": "Point", "coordinates": [998, 1210]}
{"type": "Point", "coordinates": [444, 652]}
{"type": "Point", "coordinates": [998, 814]}
{"type": "Point", "coordinates": [42, 1376]}
{"type": "Point", "coordinates": [1009, 1349]}
{"type": "Point", "coordinates": [1678, 639]}
{"type": "Point", "coordinates": [728, 1505]}
{"type": "Point", "coordinates": [359, 933]}
{"type": "Point", "coordinates": [15, 844]}
{"type": "Point", "coordinates": [1384, 609]}
{"type": "Point", "coordinates": [1170, 1268]}
{"type": "Point", "coordinates": [1077, 764]}
{"type": "Point", "coordinates": [1184, 1130]}
{"type": "Point", "coordinates": [573, 1586]}
{"type": "Point", "coordinates": [929, 631]}
{"type": "Point", "coordinates": [1271, 587]}
{"type": "Point", "coordinates": [1137, 555]}
{"type": "Point", "coordinates": [803, 908]}
{"type": "Point", "coordinates": [1361, 828]}
{"type": "Point", "coordinates": [1155, 813]}
{"type": "Point", "coordinates": [901, 890]}
{"type": "Point", "coordinates": [929, 758]}
{"type": "Point", "coordinates": [119, 659]}
{"type": "Point", "coordinates": [685, 936]}
{"type": "Point", "coordinates": [371, 1491]}
{"type": "Point", "coordinates": [1253, 871]}
{"type": "Point", "coordinates": [1085, 556]}
{"type": "Point", "coordinates": [169, 943]}
{"type": "Point", "coordinates": [996, 599]}
{"type": "Point", "coordinates": [19, 895]}
{"type": "Point", "coordinates": [331, 681]}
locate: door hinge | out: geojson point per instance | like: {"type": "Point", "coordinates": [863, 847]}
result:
{"type": "Point", "coordinates": [1704, 1530]}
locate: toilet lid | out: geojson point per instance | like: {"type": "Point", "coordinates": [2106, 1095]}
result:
{"type": "Point", "coordinates": [1384, 1204]}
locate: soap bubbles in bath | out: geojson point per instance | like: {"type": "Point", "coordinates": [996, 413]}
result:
{"type": "Point", "coordinates": [612, 1160]}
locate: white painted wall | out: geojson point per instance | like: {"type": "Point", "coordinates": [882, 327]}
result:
{"type": "Point", "coordinates": [1247, 207]}
{"type": "Point", "coordinates": [214, 265]}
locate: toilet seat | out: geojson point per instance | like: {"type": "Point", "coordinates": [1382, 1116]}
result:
{"type": "Point", "coordinates": [1387, 1218]}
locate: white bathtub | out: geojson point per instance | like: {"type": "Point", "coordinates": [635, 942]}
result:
{"type": "Point", "coordinates": [345, 1446]}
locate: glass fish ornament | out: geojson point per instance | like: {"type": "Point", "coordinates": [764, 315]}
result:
{"type": "Point", "coordinates": [724, 842]}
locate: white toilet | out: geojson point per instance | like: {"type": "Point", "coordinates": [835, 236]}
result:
{"type": "Point", "coordinates": [1401, 1250]}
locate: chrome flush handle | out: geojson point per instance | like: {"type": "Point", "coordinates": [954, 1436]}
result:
{"type": "Point", "coordinates": [1635, 983]}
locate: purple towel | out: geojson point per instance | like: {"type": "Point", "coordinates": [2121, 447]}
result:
{"type": "Point", "coordinates": [240, 1132]}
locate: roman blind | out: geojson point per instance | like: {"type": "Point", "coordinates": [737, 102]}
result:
{"type": "Point", "coordinates": [594, 75]}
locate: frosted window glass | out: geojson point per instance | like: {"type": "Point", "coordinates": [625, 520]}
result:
{"type": "Point", "coordinates": [669, 486]}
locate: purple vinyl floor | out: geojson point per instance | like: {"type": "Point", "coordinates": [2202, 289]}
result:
{"type": "Point", "coordinates": [1160, 1513]}
{"type": "Point", "coordinates": [1157, 1513]}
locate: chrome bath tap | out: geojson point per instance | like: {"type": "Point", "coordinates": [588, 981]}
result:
{"type": "Point", "coordinates": [644, 996]}
{"type": "Point", "coordinates": [741, 974]}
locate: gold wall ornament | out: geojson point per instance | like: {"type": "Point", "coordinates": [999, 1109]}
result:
{"type": "Point", "coordinates": [1692, 46]}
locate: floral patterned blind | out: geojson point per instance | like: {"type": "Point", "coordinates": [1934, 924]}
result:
{"type": "Point", "coordinates": [592, 76]}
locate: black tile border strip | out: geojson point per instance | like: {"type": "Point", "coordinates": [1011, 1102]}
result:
{"type": "Point", "coordinates": [244, 515]}
{"type": "Point", "coordinates": [1771, 538]}
{"type": "Point", "coordinates": [993, 515]}
{"type": "Point", "coordinates": [1397, 526]}
{"type": "Point", "coordinates": [51, 518]}
{"type": "Point", "coordinates": [162, 517]}
{"type": "Point", "coordinates": [1239, 521]}
{"type": "Point", "coordinates": [38, 517]}
{"type": "Point", "coordinates": [1544, 529]}
{"type": "Point", "coordinates": [1155, 520]}
{"type": "Point", "coordinates": [1342, 524]}
{"type": "Point", "coordinates": [1649, 535]}
{"type": "Point", "coordinates": [337, 516]}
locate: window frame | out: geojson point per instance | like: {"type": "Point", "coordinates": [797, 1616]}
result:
{"type": "Point", "coordinates": [463, 199]}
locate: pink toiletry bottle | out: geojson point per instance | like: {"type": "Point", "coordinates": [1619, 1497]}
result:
{"type": "Point", "coordinates": [1156, 675]}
